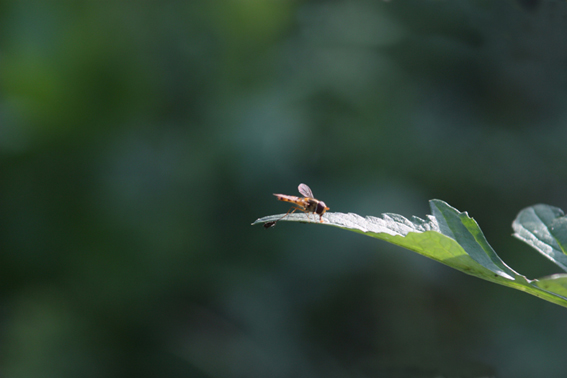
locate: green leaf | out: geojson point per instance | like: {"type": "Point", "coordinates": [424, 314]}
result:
{"type": "Point", "coordinates": [544, 227]}
{"type": "Point", "coordinates": [556, 283]}
{"type": "Point", "coordinates": [448, 236]}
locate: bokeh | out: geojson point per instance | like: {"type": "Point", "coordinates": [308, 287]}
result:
{"type": "Point", "coordinates": [139, 140]}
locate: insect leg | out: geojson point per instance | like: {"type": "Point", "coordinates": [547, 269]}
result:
{"type": "Point", "coordinates": [273, 223]}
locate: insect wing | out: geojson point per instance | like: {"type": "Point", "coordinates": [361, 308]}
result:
{"type": "Point", "coordinates": [305, 190]}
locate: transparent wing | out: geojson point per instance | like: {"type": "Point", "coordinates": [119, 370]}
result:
{"type": "Point", "coordinates": [305, 190]}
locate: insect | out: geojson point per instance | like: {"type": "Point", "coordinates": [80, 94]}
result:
{"type": "Point", "coordinates": [308, 204]}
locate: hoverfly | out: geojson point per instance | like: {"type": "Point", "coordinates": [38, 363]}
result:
{"type": "Point", "coordinates": [308, 204]}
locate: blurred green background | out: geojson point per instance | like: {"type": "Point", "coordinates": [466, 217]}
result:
{"type": "Point", "coordinates": [139, 140]}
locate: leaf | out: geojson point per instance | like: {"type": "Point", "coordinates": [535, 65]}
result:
{"type": "Point", "coordinates": [556, 283]}
{"type": "Point", "coordinates": [544, 227]}
{"type": "Point", "coordinates": [448, 236]}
